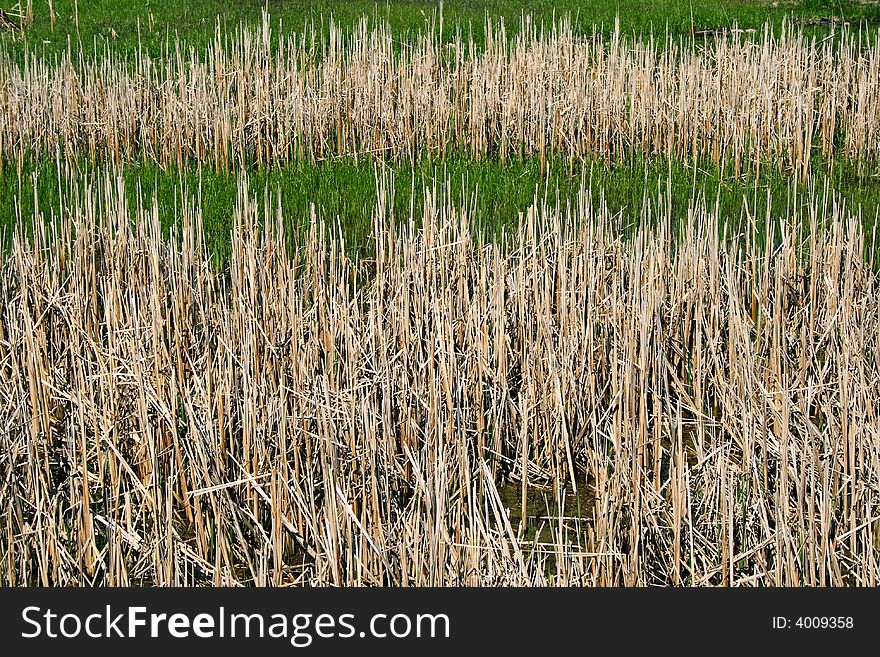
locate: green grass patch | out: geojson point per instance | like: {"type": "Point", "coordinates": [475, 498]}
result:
{"type": "Point", "coordinates": [344, 190]}
{"type": "Point", "coordinates": [124, 26]}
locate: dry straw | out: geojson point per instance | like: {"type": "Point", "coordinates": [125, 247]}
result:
{"type": "Point", "coordinates": [268, 98]}
{"type": "Point", "coordinates": [713, 403]}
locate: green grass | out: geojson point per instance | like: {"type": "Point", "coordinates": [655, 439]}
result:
{"type": "Point", "coordinates": [122, 24]}
{"type": "Point", "coordinates": [345, 190]}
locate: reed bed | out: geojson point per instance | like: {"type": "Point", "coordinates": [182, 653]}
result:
{"type": "Point", "coordinates": [264, 98]}
{"type": "Point", "coordinates": [305, 419]}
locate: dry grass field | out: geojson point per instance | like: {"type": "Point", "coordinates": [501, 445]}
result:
{"type": "Point", "coordinates": [571, 401]}
{"type": "Point", "coordinates": [258, 98]}
{"type": "Point", "coordinates": [692, 409]}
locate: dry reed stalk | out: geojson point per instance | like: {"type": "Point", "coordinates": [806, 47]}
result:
{"type": "Point", "coordinates": [264, 98]}
{"type": "Point", "coordinates": [715, 405]}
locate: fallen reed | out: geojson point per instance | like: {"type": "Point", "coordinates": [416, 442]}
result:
{"type": "Point", "coordinates": [305, 419]}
